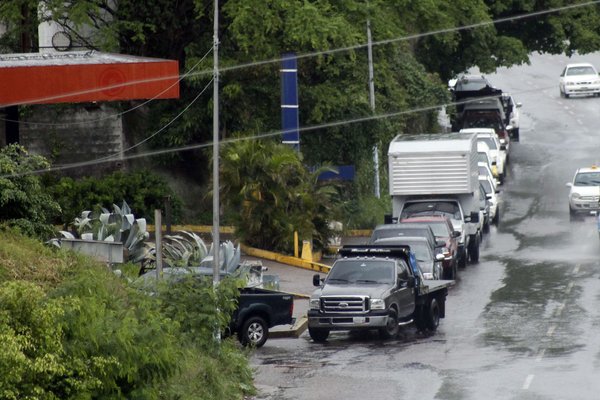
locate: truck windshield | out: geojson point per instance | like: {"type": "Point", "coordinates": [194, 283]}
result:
{"type": "Point", "coordinates": [446, 208]}
{"type": "Point", "coordinates": [363, 271]}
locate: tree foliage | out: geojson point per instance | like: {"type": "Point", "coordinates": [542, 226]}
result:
{"type": "Point", "coordinates": [272, 194]}
{"type": "Point", "coordinates": [23, 202]}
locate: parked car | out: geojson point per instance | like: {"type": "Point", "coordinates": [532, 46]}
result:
{"type": "Point", "coordinates": [491, 192]}
{"type": "Point", "coordinates": [406, 229]}
{"type": "Point", "coordinates": [484, 205]}
{"type": "Point", "coordinates": [496, 148]}
{"type": "Point", "coordinates": [484, 170]}
{"type": "Point", "coordinates": [581, 78]}
{"type": "Point", "coordinates": [584, 195]}
{"type": "Point", "coordinates": [511, 109]}
{"type": "Point", "coordinates": [443, 230]}
{"type": "Point", "coordinates": [483, 154]}
{"type": "Point", "coordinates": [488, 119]}
{"type": "Point", "coordinates": [429, 262]}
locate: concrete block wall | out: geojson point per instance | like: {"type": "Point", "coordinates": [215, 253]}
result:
{"type": "Point", "coordinates": [67, 134]}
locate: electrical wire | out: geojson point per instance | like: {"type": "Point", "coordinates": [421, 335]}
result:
{"type": "Point", "coordinates": [324, 52]}
{"type": "Point", "coordinates": [268, 134]}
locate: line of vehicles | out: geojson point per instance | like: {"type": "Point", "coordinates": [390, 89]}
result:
{"type": "Point", "coordinates": [444, 189]}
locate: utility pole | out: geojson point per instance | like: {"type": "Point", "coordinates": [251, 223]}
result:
{"type": "Point", "coordinates": [372, 101]}
{"type": "Point", "coordinates": [216, 208]}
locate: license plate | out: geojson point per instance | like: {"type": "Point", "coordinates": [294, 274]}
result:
{"type": "Point", "coordinates": [359, 320]}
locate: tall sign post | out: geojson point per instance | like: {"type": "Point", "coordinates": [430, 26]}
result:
{"type": "Point", "coordinates": [289, 100]}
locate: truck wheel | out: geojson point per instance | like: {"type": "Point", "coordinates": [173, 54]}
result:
{"type": "Point", "coordinates": [319, 335]}
{"type": "Point", "coordinates": [419, 320]}
{"type": "Point", "coordinates": [496, 217]}
{"type": "Point", "coordinates": [474, 250]}
{"type": "Point", "coordinates": [516, 134]}
{"type": "Point", "coordinates": [462, 258]}
{"type": "Point", "coordinates": [450, 273]}
{"type": "Point", "coordinates": [432, 319]}
{"type": "Point", "coordinates": [254, 332]}
{"type": "Point", "coordinates": [392, 327]}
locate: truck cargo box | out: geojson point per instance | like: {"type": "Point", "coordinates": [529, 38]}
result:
{"type": "Point", "coordinates": [433, 164]}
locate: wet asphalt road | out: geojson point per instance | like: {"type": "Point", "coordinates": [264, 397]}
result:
{"type": "Point", "coordinates": [524, 323]}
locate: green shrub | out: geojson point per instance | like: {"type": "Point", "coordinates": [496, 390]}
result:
{"type": "Point", "coordinates": [142, 190]}
{"type": "Point", "coordinates": [23, 202]}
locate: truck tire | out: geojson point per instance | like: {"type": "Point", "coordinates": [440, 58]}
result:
{"type": "Point", "coordinates": [450, 273]}
{"type": "Point", "coordinates": [419, 320]}
{"type": "Point", "coordinates": [516, 134]}
{"type": "Point", "coordinates": [496, 218]}
{"type": "Point", "coordinates": [319, 335]}
{"type": "Point", "coordinates": [391, 329]}
{"type": "Point", "coordinates": [462, 258]}
{"type": "Point", "coordinates": [255, 332]}
{"type": "Point", "coordinates": [474, 250]}
{"type": "Point", "coordinates": [432, 318]}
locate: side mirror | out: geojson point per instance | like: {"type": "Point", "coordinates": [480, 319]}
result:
{"type": "Point", "coordinates": [503, 146]}
{"type": "Point", "coordinates": [389, 219]}
{"type": "Point", "coordinates": [316, 280]}
{"type": "Point", "coordinates": [474, 217]}
{"type": "Point", "coordinates": [440, 257]}
{"type": "Point", "coordinates": [455, 234]}
{"type": "Point", "coordinates": [509, 127]}
{"type": "Point", "coordinates": [569, 184]}
{"type": "Point", "coordinates": [519, 105]}
{"type": "Point", "coordinates": [489, 196]}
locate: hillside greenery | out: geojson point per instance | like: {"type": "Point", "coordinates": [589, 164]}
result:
{"type": "Point", "coordinates": [71, 329]}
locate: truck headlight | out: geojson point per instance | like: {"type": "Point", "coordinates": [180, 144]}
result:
{"type": "Point", "coordinates": [377, 304]}
{"type": "Point", "coordinates": [315, 304]}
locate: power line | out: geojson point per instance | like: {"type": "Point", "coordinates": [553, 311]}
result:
{"type": "Point", "coordinates": [268, 134]}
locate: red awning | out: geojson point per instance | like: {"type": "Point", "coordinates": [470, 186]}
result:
{"type": "Point", "coordinates": [83, 76]}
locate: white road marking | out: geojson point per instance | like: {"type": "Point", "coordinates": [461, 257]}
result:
{"type": "Point", "coordinates": [569, 287]}
{"type": "Point", "coordinates": [576, 269]}
{"type": "Point", "coordinates": [560, 309]}
{"type": "Point", "coordinates": [540, 355]}
{"type": "Point", "coordinates": [527, 382]}
{"type": "Point", "coordinates": [551, 330]}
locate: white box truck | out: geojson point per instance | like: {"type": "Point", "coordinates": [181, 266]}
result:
{"type": "Point", "coordinates": [437, 174]}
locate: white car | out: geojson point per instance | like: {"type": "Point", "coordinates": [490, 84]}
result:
{"type": "Point", "coordinates": [584, 195]}
{"type": "Point", "coordinates": [483, 154]}
{"type": "Point", "coordinates": [491, 193]}
{"type": "Point", "coordinates": [579, 78]}
{"type": "Point", "coordinates": [497, 150]}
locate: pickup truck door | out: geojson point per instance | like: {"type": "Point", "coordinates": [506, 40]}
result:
{"type": "Point", "coordinates": [405, 294]}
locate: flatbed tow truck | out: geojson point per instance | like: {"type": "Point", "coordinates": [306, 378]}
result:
{"type": "Point", "coordinates": [375, 287]}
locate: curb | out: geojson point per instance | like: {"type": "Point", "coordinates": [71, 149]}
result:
{"type": "Point", "coordinates": [289, 260]}
{"type": "Point", "coordinates": [295, 331]}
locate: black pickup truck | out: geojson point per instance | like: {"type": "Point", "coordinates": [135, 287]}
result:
{"type": "Point", "coordinates": [375, 287]}
{"type": "Point", "coordinates": [258, 311]}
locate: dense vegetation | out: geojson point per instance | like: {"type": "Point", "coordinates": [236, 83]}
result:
{"type": "Point", "coordinates": [142, 190]}
{"type": "Point", "coordinates": [70, 329]}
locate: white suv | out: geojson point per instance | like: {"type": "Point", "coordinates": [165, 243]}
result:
{"type": "Point", "coordinates": [584, 195]}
